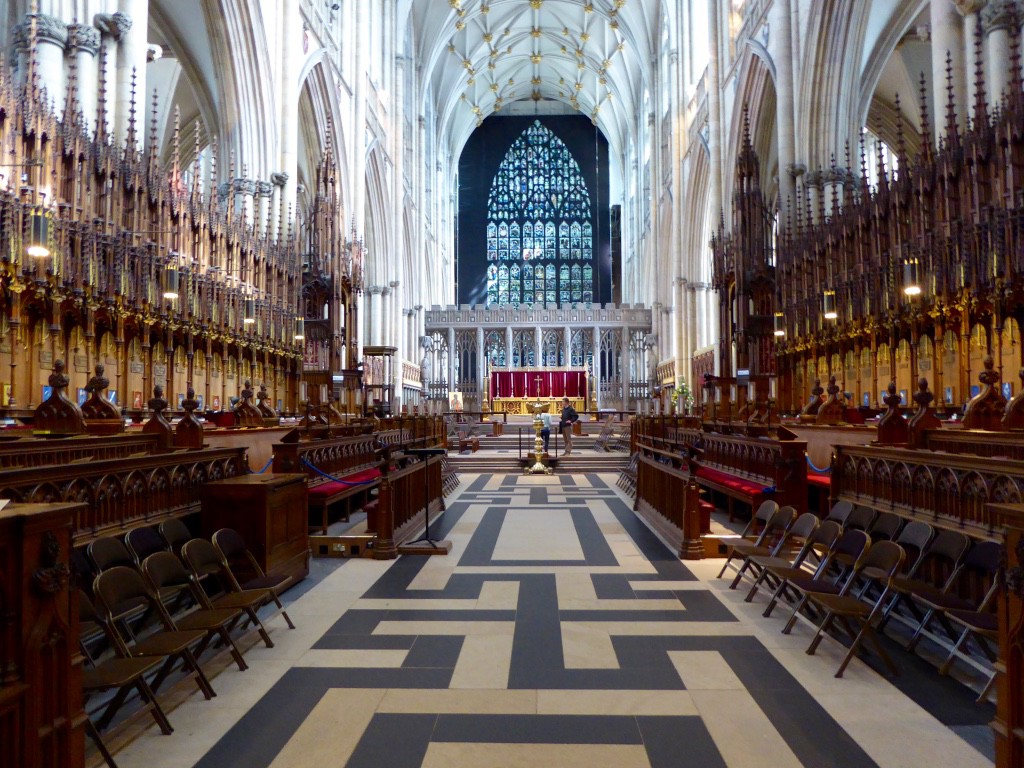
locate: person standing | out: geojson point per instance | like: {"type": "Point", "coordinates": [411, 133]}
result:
{"type": "Point", "coordinates": [569, 417]}
{"type": "Point", "coordinates": [545, 430]}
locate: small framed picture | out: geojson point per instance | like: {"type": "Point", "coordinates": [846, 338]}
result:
{"type": "Point", "coordinates": [215, 402]}
{"type": "Point", "coordinates": [112, 396]}
{"type": "Point", "coordinates": [866, 400]}
{"type": "Point", "coordinates": [903, 397]}
{"type": "Point", "coordinates": [181, 399]}
{"type": "Point", "coordinates": [137, 400]}
{"type": "Point", "coordinates": [82, 395]}
{"type": "Point", "coordinates": [948, 394]}
{"type": "Point", "coordinates": [5, 395]}
{"type": "Point", "coordinates": [199, 399]}
{"type": "Point", "coordinates": [1008, 389]}
{"type": "Point", "coordinates": [975, 390]}
{"type": "Point", "coordinates": [47, 392]}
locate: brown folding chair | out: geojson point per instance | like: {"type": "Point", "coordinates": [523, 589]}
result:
{"type": "Point", "coordinates": [124, 586]}
{"type": "Point", "coordinates": [885, 527]}
{"type": "Point", "coordinates": [982, 626]}
{"type": "Point", "coordinates": [237, 558]}
{"type": "Point", "coordinates": [944, 554]}
{"type": "Point", "coordinates": [143, 542]}
{"type": "Point", "coordinates": [166, 572]}
{"type": "Point", "coordinates": [853, 544]}
{"type": "Point", "coordinates": [122, 675]}
{"type": "Point", "coordinates": [754, 532]}
{"type": "Point", "coordinates": [108, 552]}
{"type": "Point", "coordinates": [879, 566]}
{"type": "Point", "coordinates": [816, 545]}
{"type": "Point", "coordinates": [204, 561]}
{"type": "Point", "coordinates": [176, 534]}
{"type": "Point", "coordinates": [775, 535]}
{"type": "Point", "coordinates": [840, 511]}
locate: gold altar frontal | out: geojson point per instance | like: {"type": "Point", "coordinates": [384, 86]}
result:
{"type": "Point", "coordinates": [524, 405]}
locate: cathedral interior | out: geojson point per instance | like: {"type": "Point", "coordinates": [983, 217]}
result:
{"type": "Point", "coordinates": [299, 249]}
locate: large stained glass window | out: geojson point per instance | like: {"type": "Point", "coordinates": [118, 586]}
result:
{"type": "Point", "coordinates": [538, 218]}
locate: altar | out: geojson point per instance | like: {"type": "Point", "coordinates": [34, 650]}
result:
{"type": "Point", "coordinates": [514, 391]}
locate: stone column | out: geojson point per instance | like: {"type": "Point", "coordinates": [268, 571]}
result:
{"type": "Point", "coordinates": [782, 56]}
{"type": "Point", "coordinates": [668, 345]}
{"type": "Point", "coordinates": [84, 45]}
{"type": "Point", "coordinates": [395, 333]}
{"type": "Point", "coordinates": [451, 359]}
{"type": "Point", "coordinates": [998, 17]}
{"type": "Point", "coordinates": [508, 346]}
{"type": "Point", "coordinates": [948, 38]}
{"type": "Point", "coordinates": [596, 372]}
{"type": "Point", "coordinates": [382, 331]}
{"type": "Point", "coordinates": [714, 316]}
{"type": "Point", "coordinates": [567, 334]}
{"type": "Point", "coordinates": [419, 323]}
{"type": "Point", "coordinates": [625, 370]}
{"type": "Point", "coordinates": [679, 287]}
{"type": "Point", "coordinates": [374, 292]}
{"type": "Point", "coordinates": [538, 347]}
{"type": "Point", "coordinates": [714, 113]}
{"type": "Point", "coordinates": [265, 195]}
{"type": "Point", "coordinates": [693, 331]}
{"type": "Point", "coordinates": [970, 9]}
{"type": "Point", "coordinates": [481, 366]}
{"type": "Point", "coordinates": [51, 40]}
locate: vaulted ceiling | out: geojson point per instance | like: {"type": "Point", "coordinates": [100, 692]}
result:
{"type": "Point", "coordinates": [592, 56]}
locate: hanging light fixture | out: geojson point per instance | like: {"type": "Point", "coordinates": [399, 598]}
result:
{"type": "Point", "coordinates": [780, 324]}
{"type": "Point", "coordinates": [249, 311]}
{"type": "Point", "coordinates": [911, 277]}
{"type": "Point", "coordinates": [171, 279]}
{"type": "Point", "coordinates": [38, 235]}
{"type": "Point", "coordinates": [829, 304]}
{"type": "Point", "coordinates": [300, 329]}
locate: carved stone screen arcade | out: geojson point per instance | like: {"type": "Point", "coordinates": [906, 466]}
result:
{"type": "Point", "coordinates": [533, 214]}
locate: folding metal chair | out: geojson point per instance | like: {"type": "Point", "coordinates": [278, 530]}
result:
{"type": "Point", "coordinates": [775, 535]}
{"type": "Point", "coordinates": [231, 547]}
{"type": "Point", "coordinates": [755, 530]}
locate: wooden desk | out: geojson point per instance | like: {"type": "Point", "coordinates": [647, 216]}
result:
{"type": "Point", "coordinates": [269, 511]}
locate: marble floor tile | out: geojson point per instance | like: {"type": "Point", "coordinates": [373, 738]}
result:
{"type": "Point", "coordinates": [742, 731]}
{"type": "Point", "coordinates": [332, 730]}
{"type": "Point", "coordinates": [538, 534]}
{"type": "Point", "coordinates": [498, 596]}
{"type": "Point", "coordinates": [442, 755]}
{"type": "Point", "coordinates": [583, 647]}
{"type": "Point", "coordinates": [484, 662]}
{"type": "Point", "coordinates": [595, 702]}
{"type": "Point", "coordinates": [462, 701]}
{"type": "Point", "coordinates": [353, 657]}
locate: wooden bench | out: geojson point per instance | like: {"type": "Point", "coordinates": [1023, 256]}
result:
{"type": "Point", "coordinates": [337, 469]}
{"type": "Point", "coordinates": [19, 449]}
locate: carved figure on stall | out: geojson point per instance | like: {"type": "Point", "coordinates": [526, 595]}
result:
{"type": "Point", "coordinates": [426, 363]}
{"type": "Point", "coordinates": [651, 343]}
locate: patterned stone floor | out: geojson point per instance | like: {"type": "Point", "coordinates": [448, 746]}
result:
{"type": "Point", "coordinates": [559, 632]}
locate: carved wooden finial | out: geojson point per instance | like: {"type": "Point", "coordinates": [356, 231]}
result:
{"type": "Point", "coordinates": [189, 431]}
{"type": "Point", "coordinates": [102, 416]}
{"type": "Point", "coordinates": [986, 409]}
{"type": "Point", "coordinates": [833, 410]}
{"type": "Point", "coordinates": [58, 414]}
{"type": "Point", "coordinates": [158, 424]}
{"type": "Point", "coordinates": [924, 417]}
{"type": "Point", "coordinates": [810, 411]}
{"type": "Point", "coordinates": [892, 427]}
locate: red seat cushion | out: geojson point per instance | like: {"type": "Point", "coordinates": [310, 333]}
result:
{"type": "Point", "coordinates": [824, 481]}
{"type": "Point", "coordinates": [324, 490]}
{"type": "Point", "coordinates": [730, 481]}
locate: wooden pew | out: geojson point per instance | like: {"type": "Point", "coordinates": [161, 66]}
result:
{"type": "Point", "coordinates": [944, 489]}
{"type": "Point", "coordinates": [126, 492]}
{"type": "Point", "coordinates": [744, 468]}
{"type": "Point", "coordinates": [667, 496]}
{"type": "Point", "coordinates": [353, 459]}
{"type": "Point", "coordinates": [406, 482]}
{"type": "Point", "coordinates": [26, 451]}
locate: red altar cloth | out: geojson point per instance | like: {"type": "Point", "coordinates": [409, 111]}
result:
{"type": "Point", "coordinates": [525, 384]}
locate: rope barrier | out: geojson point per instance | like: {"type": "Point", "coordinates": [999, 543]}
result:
{"type": "Point", "coordinates": [826, 470]}
{"type": "Point", "coordinates": [265, 467]}
{"type": "Point", "coordinates": [337, 479]}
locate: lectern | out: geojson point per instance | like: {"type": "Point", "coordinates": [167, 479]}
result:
{"type": "Point", "coordinates": [424, 545]}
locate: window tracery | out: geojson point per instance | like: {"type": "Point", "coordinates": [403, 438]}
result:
{"type": "Point", "coordinates": [539, 211]}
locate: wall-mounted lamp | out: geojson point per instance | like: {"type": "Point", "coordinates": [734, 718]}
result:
{"type": "Point", "coordinates": [249, 311]}
{"type": "Point", "coordinates": [780, 324]}
{"type": "Point", "coordinates": [911, 278]}
{"type": "Point", "coordinates": [829, 304]}
{"type": "Point", "coordinates": [300, 329]}
{"type": "Point", "coordinates": [171, 281]}
{"type": "Point", "coordinates": [38, 235]}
